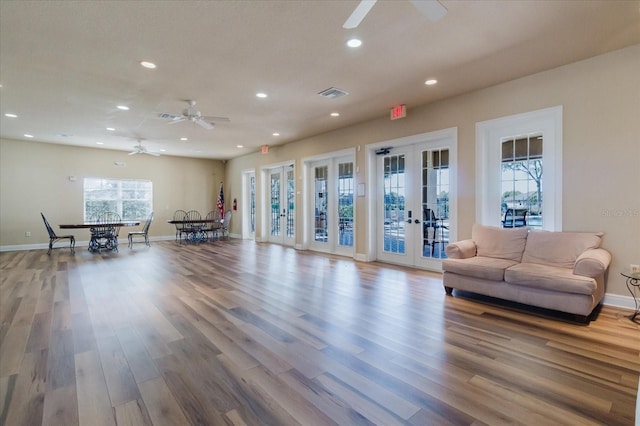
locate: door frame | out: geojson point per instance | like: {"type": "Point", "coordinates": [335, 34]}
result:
{"type": "Point", "coordinates": [436, 137]}
{"type": "Point", "coordinates": [308, 193]}
{"type": "Point", "coordinates": [265, 190]}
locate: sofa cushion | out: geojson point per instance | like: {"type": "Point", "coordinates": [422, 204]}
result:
{"type": "Point", "coordinates": [487, 268]}
{"type": "Point", "coordinates": [498, 242]}
{"type": "Point", "coordinates": [548, 277]}
{"type": "Point", "coordinates": [558, 248]}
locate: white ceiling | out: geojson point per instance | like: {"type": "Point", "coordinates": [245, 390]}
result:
{"type": "Point", "coordinates": [65, 66]}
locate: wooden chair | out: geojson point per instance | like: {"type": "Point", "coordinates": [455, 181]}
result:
{"type": "Point", "coordinates": [144, 233]}
{"type": "Point", "coordinates": [515, 218]}
{"type": "Point", "coordinates": [53, 237]}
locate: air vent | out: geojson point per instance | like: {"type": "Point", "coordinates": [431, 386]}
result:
{"type": "Point", "coordinates": [165, 115]}
{"type": "Point", "coordinates": [333, 92]}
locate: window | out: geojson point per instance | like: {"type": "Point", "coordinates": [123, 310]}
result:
{"type": "Point", "coordinates": [522, 181]}
{"type": "Point", "coordinates": [511, 155]}
{"type": "Point", "coordinates": [345, 203]}
{"type": "Point", "coordinates": [131, 199]}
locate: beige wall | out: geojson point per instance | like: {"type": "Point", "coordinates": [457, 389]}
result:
{"type": "Point", "coordinates": [34, 178]}
{"type": "Point", "coordinates": [601, 148]}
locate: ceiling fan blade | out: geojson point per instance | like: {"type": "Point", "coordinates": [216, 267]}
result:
{"type": "Point", "coordinates": [358, 14]}
{"type": "Point", "coordinates": [211, 118]}
{"type": "Point", "coordinates": [432, 9]}
{"type": "Point", "coordinates": [178, 119]}
{"type": "Point", "coordinates": [203, 123]}
{"type": "Point", "coordinates": [133, 153]}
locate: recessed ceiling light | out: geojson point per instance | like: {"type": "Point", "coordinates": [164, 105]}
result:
{"type": "Point", "coordinates": [99, 143]}
{"type": "Point", "coordinates": [184, 139]}
{"type": "Point", "coordinates": [111, 129]}
{"type": "Point", "coordinates": [149, 65]}
{"type": "Point", "coordinates": [10, 115]}
{"type": "Point", "coordinates": [335, 114]}
{"type": "Point", "coordinates": [354, 42]}
{"type": "Point", "coordinates": [123, 107]}
{"type": "Point", "coordinates": [163, 150]}
{"type": "Point", "coordinates": [276, 134]}
{"type": "Point", "coordinates": [27, 135]}
{"type": "Point", "coordinates": [239, 146]}
{"type": "Point", "coordinates": [430, 82]}
{"type": "Point", "coordinates": [261, 95]}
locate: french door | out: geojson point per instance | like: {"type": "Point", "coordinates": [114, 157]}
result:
{"type": "Point", "coordinates": [249, 205]}
{"type": "Point", "coordinates": [414, 189]}
{"type": "Point", "coordinates": [333, 185]}
{"type": "Point", "coordinates": [281, 187]}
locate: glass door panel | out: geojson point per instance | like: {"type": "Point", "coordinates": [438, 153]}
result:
{"type": "Point", "coordinates": [282, 205]}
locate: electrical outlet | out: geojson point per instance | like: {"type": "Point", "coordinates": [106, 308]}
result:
{"type": "Point", "coordinates": [634, 268]}
{"type": "Point", "coordinates": [27, 234]}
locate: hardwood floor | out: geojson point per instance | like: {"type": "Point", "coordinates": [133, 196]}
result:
{"type": "Point", "coordinates": [240, 333]}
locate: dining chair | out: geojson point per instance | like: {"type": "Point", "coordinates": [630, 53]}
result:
{"type": "Point", "coordinates": [179, 215]}
{"type": "Point", "coordinates": [193, 229]}
{"type": "Point", "coordinates": [105, 233]}
{"type": "Point", "coordinates": [224, 227]}
{"type": "Point", "coordinates": [53, 237]}
{"type": "Point", "coordinates": [215, 222]}
{"type": "Point", "coordinates": [144, 233]}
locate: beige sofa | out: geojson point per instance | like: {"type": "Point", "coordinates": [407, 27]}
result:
{"type": "Point", "coordinates": [562, 271]}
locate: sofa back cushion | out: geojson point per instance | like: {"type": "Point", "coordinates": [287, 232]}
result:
{"type": "Point", "coordinates": [558, 248]}
{"type": "Point", "coordinates": [501, 243]}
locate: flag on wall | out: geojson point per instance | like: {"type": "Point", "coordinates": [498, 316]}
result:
{"type": "Point", "coordinates": [220, 204]}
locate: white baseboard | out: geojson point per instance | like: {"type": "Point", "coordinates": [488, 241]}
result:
{"type": "Point", "coordinates": [79, 243]}
{"type": "Point", "coordinates": [361, 257]}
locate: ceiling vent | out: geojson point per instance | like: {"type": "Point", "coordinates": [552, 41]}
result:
{"type": "Point", "coordinates": [333, 92]}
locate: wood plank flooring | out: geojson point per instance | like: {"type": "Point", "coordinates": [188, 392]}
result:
{"type": "Point", "coordinates": [241, 333]}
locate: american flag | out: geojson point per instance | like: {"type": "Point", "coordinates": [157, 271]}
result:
{"type": "Point", "coordinates": [220, 204]}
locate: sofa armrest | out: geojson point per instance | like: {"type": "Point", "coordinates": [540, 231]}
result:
{"type": "Point", "coordinates": [461, 249]}
{"type": "Point", "coordinates": [592, 263]}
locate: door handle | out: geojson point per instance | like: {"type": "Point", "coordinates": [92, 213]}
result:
{"type": "Point", "coordinates": [416, 221]}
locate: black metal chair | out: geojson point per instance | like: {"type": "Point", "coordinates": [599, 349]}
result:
{"type": "Point", "coordinates": [105, 234]}
{"type": "Point", "coordinates": [224, 227]}
{"type": "Point", "coordinates": [431, 222]}
{"type": "Point", "coordinates": [53, 237]}
{"type": "Point", "coordinates": [216, 222]}
{"type": "Point", "coordinates": [194, 228]}
{"type": "Point", "coordinates": [144, 233]}
{"type": "Point", "coordinates": [515, 218]}
{"type": "Point", "coordinates": [179, 215]}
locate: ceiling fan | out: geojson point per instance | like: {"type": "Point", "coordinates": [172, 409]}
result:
{"type": "Point", "coordinates": [432, 9]}
{"type": "Point", "coordinates": [192, 114]}
{"type": "Point", "coordinates": [141, 149]}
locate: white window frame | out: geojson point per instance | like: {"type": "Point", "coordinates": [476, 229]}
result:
{"type": "Point", "coordinates": [490, 134]}
{"type": "Point", "coordinates": [118, 199]}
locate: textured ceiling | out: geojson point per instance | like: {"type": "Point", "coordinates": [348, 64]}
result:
{"type": "Point", "coordinates": [65, 66]}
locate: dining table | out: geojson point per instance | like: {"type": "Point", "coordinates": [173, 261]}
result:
{"type": "Point", "coordinates": [97, 242]}
{"type": "Point", "coordinates": [196, 229]}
